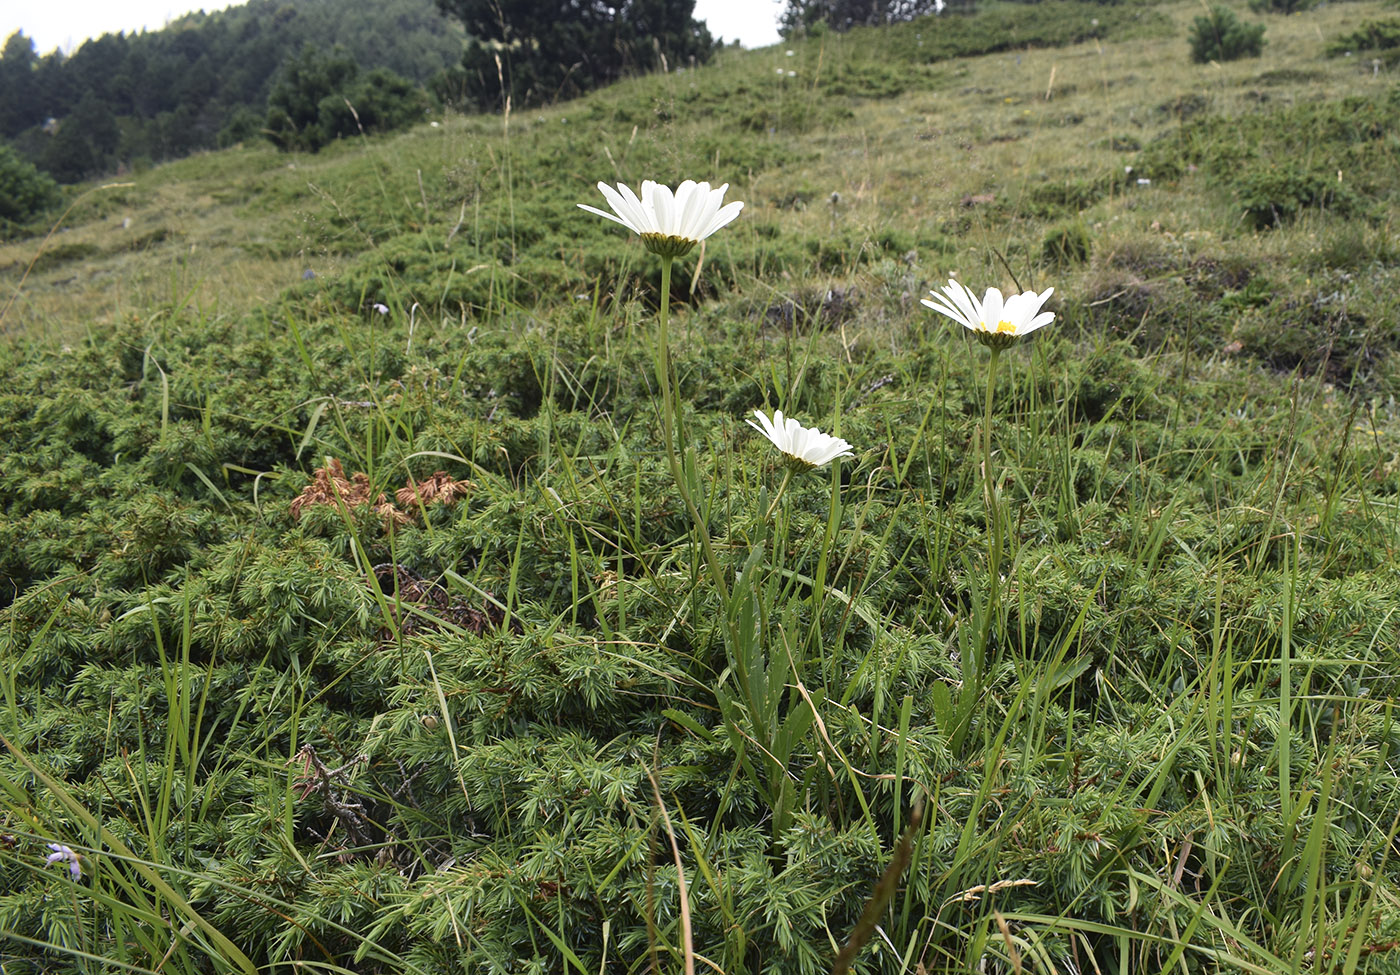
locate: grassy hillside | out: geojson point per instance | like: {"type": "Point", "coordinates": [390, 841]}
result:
{"type": "Point", "coordinates": [1094, 667]}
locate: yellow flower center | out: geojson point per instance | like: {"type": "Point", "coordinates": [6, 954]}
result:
{"type": "Point", "coordinates": [1005, 328]}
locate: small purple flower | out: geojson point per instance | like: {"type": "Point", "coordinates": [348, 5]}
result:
{"type": "Point", "coordinates": [308, 275]}
{"type": "Point", "coordinates": [66, 854]}
{"type": "Point", "coordinates": [381, 308]}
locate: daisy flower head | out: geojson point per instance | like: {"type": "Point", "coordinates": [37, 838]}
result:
{"type": "Point", "coordinates": [66, 854]}
{"type": "Point", "coordinates": [669, 223]}
{"type": "Point", "coordinates": [997, 322]}
{"type": "Point", "coordinates": [804, 447]}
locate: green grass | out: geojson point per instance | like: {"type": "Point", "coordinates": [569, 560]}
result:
{"type": "Point", "coordinates": [1163, 742]}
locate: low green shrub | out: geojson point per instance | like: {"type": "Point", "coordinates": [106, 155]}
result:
{"type": "Point", "coordinates": [1280, 194]}
{"type": "Point", "coordinates": [1350, 134]}
{"type": "Point", "coordinates": [1318, 333]}
{"type": "Point", "coordinates": [1280, 6]}
{"type": "Point", "coordinates": [64, 253]}
{"type": "Point", "coordinates": [1066, 244]}
{"type": "Point", "coordinates": [1221, 36]}
{"type": "Point", "coordinates": [1382, 36]}
{"type": "Point", "coordinates": [322, 97]}
{"type": "Point", "coordinates": [1003, 27]}
{"type": "Point", "coordinates": [1352, 246]}
{"type": "Point", "coordinates": [25, 192]}
{"type": "Point", "coordinates": [1064, 197]}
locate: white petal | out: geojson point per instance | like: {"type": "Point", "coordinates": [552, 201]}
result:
{"type": "Point", "coordinates": [1021, 310]}
{"type": "Point", "coordinates": [628, 207]}
{"type": "Point", "coordinates": [615, 219]}
{"type": "Point", "coordinates": [691, 200]}
{"type": "Point", "coordinates": [767, 428]}
{"type": "Point", "coordinates": [724, 216]}
{"type": "Point", "coordinates": [1016, 311]}
{"type": "Point", "coordinates": [941, 305]}
{"type": "Point", "coordinates": [647, 205]}
{"type": "Point", "coordinates": [799, 440]}
{"type": "Point", "coordinates": [623, 212]}
{"type": "Point", "coordinates": [966, 302]}
{"type": "Point", "coordinates": [663, 203]}
{"type": "Point", "coordinates": [992, 309]}
{"type": "Point", "coordinates": [708, 201]}
{"type": "Point", "coordinates": [1044, 318]}
{"type": "Point", "coordinates": [836, 448]}
{"type": "Point", "coordinates": [792, 434]}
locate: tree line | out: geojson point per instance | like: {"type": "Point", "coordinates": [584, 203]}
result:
{"type": "Point", "coordinates": [203, 81]}
{"type": "Point", "coordinates": [305, 72]}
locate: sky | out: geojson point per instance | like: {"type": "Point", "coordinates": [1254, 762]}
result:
{"type": "Point", "coordinates": [67, 23]}
{"type": "Point", "coordinates": [753, 22]}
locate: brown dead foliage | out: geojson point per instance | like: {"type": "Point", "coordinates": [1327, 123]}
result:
{"type": "Point", "coordinates": [440, 489]}
{"type": "Point", "coordinates": [330, 486]}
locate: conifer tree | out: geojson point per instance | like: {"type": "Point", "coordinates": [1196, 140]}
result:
{"type": "Point", "coordinates": [545, 50]}
{"type": "Point", "coordinates": [20, 92]}
{"type": "Point", "coordinates": [842, 15]}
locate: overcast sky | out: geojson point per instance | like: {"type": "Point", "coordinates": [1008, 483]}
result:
{"type": "Point", "coordinates": [67, 23]}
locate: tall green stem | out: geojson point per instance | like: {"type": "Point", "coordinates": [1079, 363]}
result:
{"type": "Point", "coordinates": [773, 505]}
{"type": "Point", "coordinates": [994, 521]}
{"type": "Point", "coordinates": [663, 368]}
{"type": "Point", "coordinates": [671, 423]}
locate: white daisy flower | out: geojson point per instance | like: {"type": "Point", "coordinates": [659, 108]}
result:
{"type": "Point", "coordinates": [806, 446]}
{"type": "Point", "coordinates": [670, 224]}
{"type": "Point", "coordinates": [995, 321]}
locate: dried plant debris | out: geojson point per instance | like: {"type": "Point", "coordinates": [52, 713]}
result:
{"type": "Point", "coordinates": [358, 822]}
{"type": "Point", "coordinates": [330, 486]}
{"type": "Point", "coordinates": [438, 489]}
{"type": "Point", "coordinates": [423, 605]}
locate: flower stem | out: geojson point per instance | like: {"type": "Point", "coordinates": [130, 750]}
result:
{"type": "Point", "coordinates": [772, 506]}
{"type": "Point", "coordinates": [671, 423]}
{"type": "Point", "coordinates": [994, 520]}
{"type": "Point", "coordinates": [663, 363]}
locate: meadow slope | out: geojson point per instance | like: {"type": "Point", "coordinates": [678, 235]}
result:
{"type": "Point", "coordinates": [376, 597]}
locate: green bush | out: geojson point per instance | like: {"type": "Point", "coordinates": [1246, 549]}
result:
{"type": "Point", "coordinates": [1280, 6]}
{"type": "Point", "coordinates": [1316, 333]}
{"type": "Point", "coordinates": [1348, 134]}
{"type": "Point", "coordinates": [24, 191]}
{"type": "Point", "coordinates": [65, 253]}
{"type": "Point", "coordinates": [1279, 195]}
{"type": "Point", "coordinates": [1372, 35]}
{"type": "Point", "coordinates": [1221, 36]}
{"type": "Point", "coordinates": [1064, 197]}
{"type": "Point", "coordinates": [381, 101]}
{"type": "Point", "coordinates": [321, 98]}
{"type": "Point", "coordinates": [243, 125]}
{"type": "Point", "coordinates": [1067, 244]}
